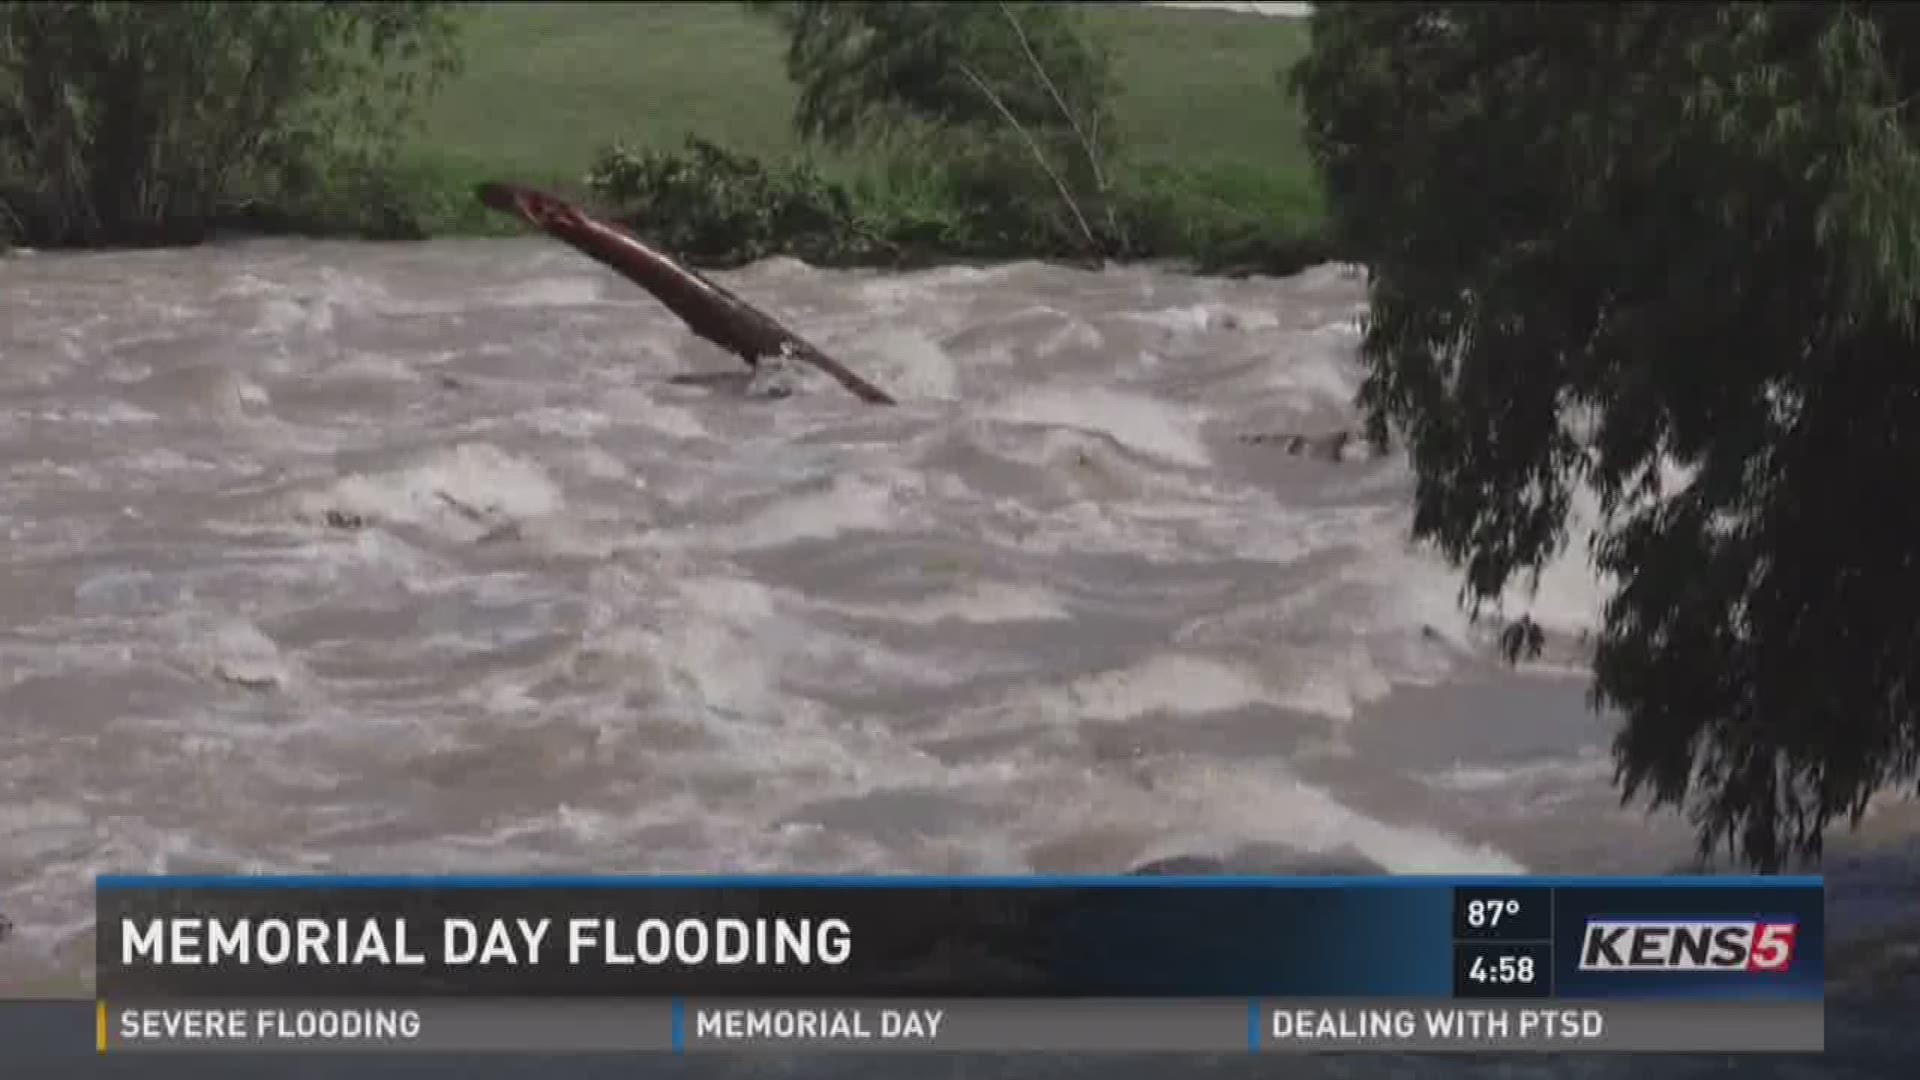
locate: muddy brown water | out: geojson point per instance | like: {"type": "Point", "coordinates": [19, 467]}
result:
{"type": "Point", "coordinates": [333, 557]}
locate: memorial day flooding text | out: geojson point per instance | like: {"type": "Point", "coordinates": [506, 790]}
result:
{"type": "Point", "coordinates": [186, 941]}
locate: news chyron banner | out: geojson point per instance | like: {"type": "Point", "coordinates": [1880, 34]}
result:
{"type": "Point", "coordinates": [902, 964]}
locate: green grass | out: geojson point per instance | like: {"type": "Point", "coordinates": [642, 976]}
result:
{"type": "Point", "coordinates": [1203, 87]}
{"type": "Point", "coordinates": [1206, 124]}
{"type": "Point", "coordinates": [545, 86]}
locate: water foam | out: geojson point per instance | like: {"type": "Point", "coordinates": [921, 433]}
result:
{"type": "Point", "coordinates": [841, 505]}
{"type": "Point", "coordinates": [1173, 684]}
{"type": "Point", "coordinates": [544, 611]}
{"type": "Point", "coordinates": [1152, 427]}
{"type": "Point", "coordinates": [465, 490]}
{"type": "Point", "coordinates": [985, 602]}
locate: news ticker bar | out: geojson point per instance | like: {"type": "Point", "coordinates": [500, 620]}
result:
{"type": "Point", "coordinates": [1694, 939]}
{"type": "Point", "coordinates": [1132, 1025]}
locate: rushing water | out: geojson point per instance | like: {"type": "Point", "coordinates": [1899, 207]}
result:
{"type": "Point", "coordinates": [410, 558]}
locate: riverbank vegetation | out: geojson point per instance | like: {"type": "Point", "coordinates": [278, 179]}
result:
{"type": "Point", "coordinates": [150, 123]}
{"type": "Point", "coordinates": [1669, 254]}
{"type": "Point", "coordinates": [684, 119]}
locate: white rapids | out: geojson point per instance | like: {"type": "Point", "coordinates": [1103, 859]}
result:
{"type": "Point", "coordinates": [333, 557]}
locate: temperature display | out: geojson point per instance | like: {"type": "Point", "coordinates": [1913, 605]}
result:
{"type": "Point", "coordinates": [1486, 913]}
{"type": "Point", "coordinates": [1493, 913]}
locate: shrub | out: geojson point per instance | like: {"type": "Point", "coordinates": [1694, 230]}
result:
{"type": "Point", "coordinates": [1222, 218]}
{"type": "Point", "coordinates": [1013, 97]}
{"type": "Point", "coordinates": [139, 122]}
{"type": "Point", "coordinates": [713, 206]}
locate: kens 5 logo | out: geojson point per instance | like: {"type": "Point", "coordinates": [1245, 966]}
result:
{"type": "Point", "coordinates": [1759, 945]}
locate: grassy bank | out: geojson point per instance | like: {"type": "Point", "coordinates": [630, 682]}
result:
{"type": "Point", "coordinates": [545, 86]}
{"type": "Point", "coordinates": [1213, 162]}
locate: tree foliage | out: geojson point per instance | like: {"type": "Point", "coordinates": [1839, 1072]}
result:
{"type": "Point", "coordinates": [126, 121]}
{"type": "Point", "coordinates": [712, 206]}
{"type": "Point", "coordinates": [997, 90]}
{"type": "Point", "coordinates": [865, 67]}
{"type": "Point", "coordinates": [1670, 252]}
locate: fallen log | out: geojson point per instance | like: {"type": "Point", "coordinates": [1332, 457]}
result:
{"type": "Point", "coordinates": [708, 309]}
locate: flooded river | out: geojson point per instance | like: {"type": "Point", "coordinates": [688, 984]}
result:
{"type": "Point", "coordinates": [410, 558]}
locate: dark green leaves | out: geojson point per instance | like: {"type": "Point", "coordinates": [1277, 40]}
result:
{"type": "Point", "coordinates": [1011, 98]}
{"type": "Point", "coordinates": [866, 68]}
{"type": "Point", "coordinates": [1631, 240]}
{"type": "Point", "coordinates": [121, 121]}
